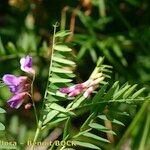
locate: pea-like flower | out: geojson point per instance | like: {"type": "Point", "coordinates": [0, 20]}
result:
{"type": "Point", "coordinates": [17, 100]}
{"type": "Point", "coordinates": [16, 84]}
{"type": "Point", "coordinates": [87, 87]}
{"type": "Point", "coordinates": [19, 86]}
{"type": "Point", "coordinates": [71, 89]}
{"type": "Point", "coordinates": [26, 64]}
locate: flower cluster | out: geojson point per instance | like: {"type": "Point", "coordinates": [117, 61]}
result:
{"type": "Point", "coordinates": [19, 86]}
{"type": "Point", "coordinates": [86, 87]}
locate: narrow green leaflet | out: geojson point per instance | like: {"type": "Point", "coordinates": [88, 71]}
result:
{"type": "Point", "coordinates": [63, 48]}
{"type": "Point", "coordinates": [95, 137]}
{"type": "Point", "coordinates": [60, 109]}
{"type": "Point", "coordinates": [88, 120]}
{"type": "Point", "coordinates": [54, 123]}
{"type": "Point", "coordinates": [64, 61]}
{"type": "Point", "coordinates": [104, 117]}
{"type": "Point", "coordinates": [120, 92]}
{"type": "Point", "coordinates": [101, 128]}
{"type": "Point", "coordinates": [50, 116]}
{"type": "Point", "coordinates": [59, 70]}
{"type": "Point", "coordinates": [111, 91]}
{"type": "Point", "coordinates": [56, 93]}
{"type": "Point", "coordinates": [86, 144]}
{"type": "Point", "coordinates": [78, 102]}
{"type": "Point", "coordinates": [62, 33]}
{"type": "Point", "coordinates": [66, 129]}
{"type": "Point", "coordinates": [129, 91]}
{"type": "Point", "coordinates": [136, 94]}
{"type": "Point", "coordinates": [59, 80]}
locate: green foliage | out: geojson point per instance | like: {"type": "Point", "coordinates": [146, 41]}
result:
{"type": "Point", "coordinates": [100, 108]}
{"type": "Point", "coordinates": [118, 30]}
{"type": "Point", "coordinates": [58, 77]}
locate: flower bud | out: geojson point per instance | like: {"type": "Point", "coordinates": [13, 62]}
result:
{"type": "Point", "coordinates": [26, 65]}
{"type": "Point", "coordinates": [28, 106]}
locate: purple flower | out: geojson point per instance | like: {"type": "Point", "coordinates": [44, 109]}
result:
{"type": "Point", "coordinates": [19, 86]}
{"type": "Point", "coordinates": [16, 84]}
{"type": "Point", "coordinates": [87, 87]}
{"type": "Point", "coordinates": [74, 93]}
{"type": "Point", "coordinates": [17, 100]}
{"type": "Point", "coordinates": [77, 87]}
{"type": "Point", "coordinates": [26, 64]}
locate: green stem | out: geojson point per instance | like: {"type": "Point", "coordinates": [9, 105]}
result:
{"type": "Point", "coordinates": [37, 134]}
{"type": "Point", "coordinates": [32, 98]}
{"type": "Point", "coordinates": [102, 8]}
{"type": "Point", "coordinates": [63, 19]}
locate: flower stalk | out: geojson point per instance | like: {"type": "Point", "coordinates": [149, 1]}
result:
{"type": "Point", "coordinates": [32, 98]}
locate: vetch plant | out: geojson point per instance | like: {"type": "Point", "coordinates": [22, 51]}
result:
{"type": "Point", "coordinates": [64, 101]}
{"type": "Point", "coordinates": [94, 100]}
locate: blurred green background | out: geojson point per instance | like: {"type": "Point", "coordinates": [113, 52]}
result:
{"type": "Point", "coordinates": [118, 30]}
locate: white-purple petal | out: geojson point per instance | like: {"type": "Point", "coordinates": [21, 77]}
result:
{"type": "Point", "coordinates": [17, 100]}
{"type": "Point", "coordinates": [67, 89]}
{"type": "Point", "coordinates": [16, 84]}
{"type": "Point", "coordinates": [9, 79]}
{"type": "Point", "coordinates": [74, 93]}
{"type": "Point", "coordinates": [26, 64]}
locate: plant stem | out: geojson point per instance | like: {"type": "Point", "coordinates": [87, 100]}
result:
{"type": "Point", "coordinates": [102, 8]}
{"type": "Point", "coordinates": [63, 18]}
{"type": "Point", "coordinates": [37, 134]}
{"type": "Point", "coordinates": [32, 98]}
